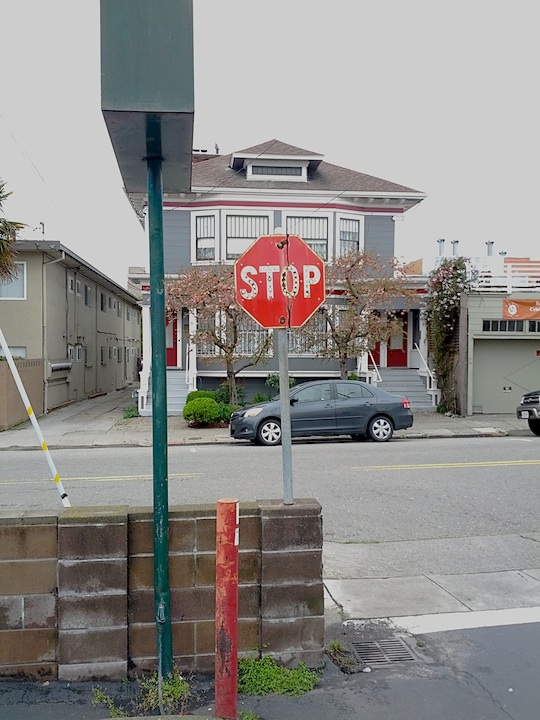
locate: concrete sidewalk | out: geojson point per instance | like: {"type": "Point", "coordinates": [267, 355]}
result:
{"type": "Point", "coordinates": [100, 422]}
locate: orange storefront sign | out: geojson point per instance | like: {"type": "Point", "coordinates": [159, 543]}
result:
{"type": "Point", "coordinates": [521, 309]}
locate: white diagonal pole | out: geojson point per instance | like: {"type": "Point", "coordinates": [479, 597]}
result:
{"type": "Point", "coordinates": [31, 415]}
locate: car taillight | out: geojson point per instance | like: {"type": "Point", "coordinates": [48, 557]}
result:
{"type": "Point", "coordinates": [406, 404]}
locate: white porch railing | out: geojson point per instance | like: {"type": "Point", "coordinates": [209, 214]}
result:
{"type": "Point", "coordinates": [363, 364]}
{"type": "Point", "coordinates": [432, 389]}
{"type": "Point", "coordinates": [144, 381]}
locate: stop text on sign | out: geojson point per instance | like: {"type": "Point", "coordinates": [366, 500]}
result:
{"type": "Point", "coordinates": [288, 280]}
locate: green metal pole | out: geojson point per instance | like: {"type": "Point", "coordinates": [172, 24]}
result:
{"type": "Point", "coordinates": [162, 593]}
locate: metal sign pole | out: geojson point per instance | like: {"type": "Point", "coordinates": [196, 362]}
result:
{"type": "Point", "coordinates": [286, 444]}
{"type": "Point", "coordinates": [159, 400]}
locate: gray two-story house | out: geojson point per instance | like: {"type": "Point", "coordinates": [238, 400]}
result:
{"type": "Point", "coordinates": [267, 189]}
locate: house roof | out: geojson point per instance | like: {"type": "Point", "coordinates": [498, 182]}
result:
{"type": "Point", "coordinates": [56, 251]}
{"type": "Point", "coordinates": [227, 171]}
{"type": "Point", "coordinates": [220, 173]}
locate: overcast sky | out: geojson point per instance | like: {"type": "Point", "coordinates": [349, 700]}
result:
{"type": "Point", "coordinates": [440, 97]}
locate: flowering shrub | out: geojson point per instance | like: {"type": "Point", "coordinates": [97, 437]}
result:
{"type": "Point", "coordinates": [446, 284]}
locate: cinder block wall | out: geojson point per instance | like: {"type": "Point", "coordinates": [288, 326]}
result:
{"type": "Point", "coordinates": [77, 589]}
{"type": "Point", "coordinates": [28, 611]}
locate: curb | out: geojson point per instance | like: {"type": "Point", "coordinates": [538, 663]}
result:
{"type": "Point", "coordinates": [426, 435]}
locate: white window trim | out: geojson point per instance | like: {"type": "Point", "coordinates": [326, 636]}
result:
{"type": "Point", "coordinates": [23, 264]}
{"type": "Point", "coordinates": [71, 282]}
{"type": "Point", "coordinates": [217, 232]}
{"type": "Point", "coordinates": [242, 212]}
{"type": "Point", "coordinates": [78, 288]}
{"type": "Point", "coordinates": [315, 215]}
{"type": "Point", "coordinates": [361, 230]}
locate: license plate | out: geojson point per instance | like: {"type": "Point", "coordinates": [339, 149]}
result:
{"type": "Point", "coordinates": [524, 413]}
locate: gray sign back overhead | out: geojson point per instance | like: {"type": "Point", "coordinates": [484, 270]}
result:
{"type": "Point", "coordinates": [147, 80]}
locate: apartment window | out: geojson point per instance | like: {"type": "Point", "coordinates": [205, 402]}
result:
{"type": "Point", "coordinates": [110, 353]}
{"type": "Point", "coordinates": [88, 295]}
{"type": "Point", "coordinates": [313, 230]}
{"type": "Point", "coordinates": [119, 355]}
{"type": "Point", "coordinates": [503, 325]}
{"type": "Point", "coordinates": [128, 313]}
{"type": "Point", "coordinates": [79, 353]}
{"type": "Point", "coordinates": [70, 352]}
{"type": "Point", "coordinates": [103, 355]}
{"type": "Point", "coordinates": [349, 236]}
{"type": "Point", "coordinates": [78, 287]}
{"type": "Point", "coordinates": [110, 302]}
{"type": "Point", "coordinates": [127, 355]}
{"type": "Point", "coordinates": [242, 230]}
{"type": "Point", "coordinates": [119, 309]}
{"type": "Point", "coordinates": [17, 351]}
{"type": "Point", "coordinates": [70, 283]}
{"type": "Point", "coordinates": [534, 325]}
{"type": "Point", "coordinates": [103, 298]}
{"type": "Point", "coordinates": [205, 237]}
{"type": "Point", "coordinates": [15, 289]}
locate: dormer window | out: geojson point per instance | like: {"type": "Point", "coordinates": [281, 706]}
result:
{"type": "Point", "coordinates": [281, 170]}
{"type": "Point", "coordinates": [275, 170]}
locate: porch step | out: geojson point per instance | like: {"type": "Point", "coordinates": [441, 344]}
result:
{"type": "Point", "coordinates": [407, 382]}
{"type": "Point", "coordinates": [177, 392]}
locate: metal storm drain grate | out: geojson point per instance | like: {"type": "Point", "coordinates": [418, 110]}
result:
{"type": "Point", "coordinates": [382, 652]}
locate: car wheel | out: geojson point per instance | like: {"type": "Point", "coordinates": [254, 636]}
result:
{"type": "Point", "coordinates": [380, 429]}
{"type": "Point", "coordinates": [269, 432]}
{"type": "Point", "coordinates": [358, 438]}
{"type": "Point", "coordinates": [534, 426]}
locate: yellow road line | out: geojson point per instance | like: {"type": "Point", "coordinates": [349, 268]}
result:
{"type": "Point", "coordinates": [106, 478]}
{"type": "Point", "coordinates": [442, 466]}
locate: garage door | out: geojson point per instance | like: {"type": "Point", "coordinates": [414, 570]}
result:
{"type": "Point", "coordinates": [502, 371]}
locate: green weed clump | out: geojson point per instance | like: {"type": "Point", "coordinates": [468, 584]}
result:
{"type": "Point", "coordinates": [131, 412]}
{"type": "Point", "coordinates": [174, 689]}
{"type": "Point", "coordinates": [175, 696]}
{"type": "Point", "coordinates": [265, 676]}
{"type": "Point", "coordinates": [101, 698]}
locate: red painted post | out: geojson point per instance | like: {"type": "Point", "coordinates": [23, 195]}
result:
{"type": "Point", "coordinates": [226, 668]}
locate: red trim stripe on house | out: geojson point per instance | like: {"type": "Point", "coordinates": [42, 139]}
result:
{"type": "Point", "coordinates": [267, 204]}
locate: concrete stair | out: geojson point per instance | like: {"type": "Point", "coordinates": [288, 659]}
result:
{"type": "Point", "coordinates": [407, 382]}
{"type": "Point", "coordinates": [177, 392]}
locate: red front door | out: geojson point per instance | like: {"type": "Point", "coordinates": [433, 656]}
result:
{"type": "Point", "coordinates": [171, 330]}
{"type": "Point", "coordinates": [396, 352]}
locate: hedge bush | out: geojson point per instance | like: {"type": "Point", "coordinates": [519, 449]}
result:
{"type": "Point", "coordinates": [200, 394]}
{"type": "Point", "coordinates": [202, 411]}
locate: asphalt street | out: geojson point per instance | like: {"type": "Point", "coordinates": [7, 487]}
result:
{"type": "Point", "coordinates": [472, 636]}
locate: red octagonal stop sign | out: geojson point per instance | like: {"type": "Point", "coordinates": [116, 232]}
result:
{"type": "Point", "coordinates": [280, 281]}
